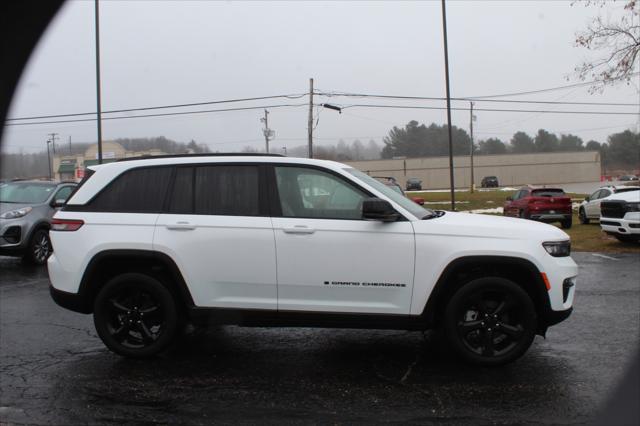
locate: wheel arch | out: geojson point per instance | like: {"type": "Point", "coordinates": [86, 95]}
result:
{"type": "Point", "coordinates": [465, 269]}
{"type": "Point", "coordinates": [109, 263]}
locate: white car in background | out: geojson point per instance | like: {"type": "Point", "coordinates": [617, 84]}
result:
{"type": "Point", "coordinates": [590, 207]}
{"type": "Point", "coordinates": [621, 216]}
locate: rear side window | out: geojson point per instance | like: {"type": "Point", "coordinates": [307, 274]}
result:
{"type": "Point", "coordinates": [135, 191]}
{"type": "Point", "coordinates": [227, 190]}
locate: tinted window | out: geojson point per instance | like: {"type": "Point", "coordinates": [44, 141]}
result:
{"type": "Point", "coordinates": [604, 193]}
{"type": "Point", "coordinates": [135, 191]}
{"type": "Point", "coordinates": [231, 190]}
{"type": "Point", "coordinates": [182, 192]}
{"type": "Point", "coordinates": [547, 193]}
{"type": "Point", "coordinates": [315, 194]}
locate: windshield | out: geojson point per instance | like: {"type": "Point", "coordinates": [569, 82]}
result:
{"type": "Point", "coordinates": [397, 197]}
{"type": "Point", "coordinates": [26, 192]}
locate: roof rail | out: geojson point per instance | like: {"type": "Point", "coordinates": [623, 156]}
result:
{"type": "Point", "coordinates": [217, 154]}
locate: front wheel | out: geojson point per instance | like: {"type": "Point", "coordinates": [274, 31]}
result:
{"type": "Point", "coordinates": [39, 248]}
{"type": "Point", "coordinates": [583, 217]}
{"type": "Point", "coordinates": [490, 321]}
{"type": "Point", "coordinates": [135, 315]}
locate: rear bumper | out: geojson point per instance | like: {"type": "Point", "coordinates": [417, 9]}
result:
{"type": "Point", "coordinates": [554, 317]}
{"type": "Point", "coordinates": [550, 217]}
{"type": "Point", "coordinates": [72, 301]}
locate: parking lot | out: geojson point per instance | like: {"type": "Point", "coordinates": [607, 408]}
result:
{"type": "Point", "coordinates": [55, 370]}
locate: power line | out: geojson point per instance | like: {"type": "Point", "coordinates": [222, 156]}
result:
{"type": "Point", "coordinates": [519, 101]}
{"type": "Point", "coordinates": [291, 96]}
{"type": "Point", "coordinates": [489, 109]}
{"type": "Point", "coordinates": [157, 115]}
{"type": "Point", "coordinates": [551, 89]}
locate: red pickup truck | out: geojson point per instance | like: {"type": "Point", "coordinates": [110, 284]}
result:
{"type": "Point", "coordinates": [543, 204]}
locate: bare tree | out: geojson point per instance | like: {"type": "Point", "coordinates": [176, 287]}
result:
{"type": "Point", "coordinates": [618, 41]}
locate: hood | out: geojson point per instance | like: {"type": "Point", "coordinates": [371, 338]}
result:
{"type": "Point", "coordinates": [7, 207]}
{"type": "Point", "coordinates": [490, 227]}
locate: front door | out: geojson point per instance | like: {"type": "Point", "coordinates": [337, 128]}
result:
{"type": "Point", "coordinates": [328, 258]}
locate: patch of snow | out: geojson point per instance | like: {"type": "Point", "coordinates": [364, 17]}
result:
{"type": "Point", "coordinates": [494, 210]}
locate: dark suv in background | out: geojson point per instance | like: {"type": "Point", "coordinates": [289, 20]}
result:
{"type": "Point", "coordinates": [489, 182]}
{"type": "Point", "coordinates": [26, 209]}
{"type": "Point", "coordinates": [414, 184]}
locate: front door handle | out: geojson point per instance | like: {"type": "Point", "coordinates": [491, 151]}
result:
{"type": "Point", "coordinates": [181, 226]}
{"type": "Point", "coordinates": [298, 229]}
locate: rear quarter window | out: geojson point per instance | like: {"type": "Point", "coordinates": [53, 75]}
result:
{"type": "Point", "coordinates": [134, 191]}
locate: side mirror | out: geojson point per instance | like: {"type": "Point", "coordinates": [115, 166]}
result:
{"type": "Point", "coordinates": [58, 203]}
{"type": "Point", "coordinates": [377, 209]}
{"type": "Point", "coordinates": [587, 199]}
{"type": "Point", "coordinates": [509, 198]}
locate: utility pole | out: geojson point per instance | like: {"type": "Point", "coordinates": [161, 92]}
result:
{"type": "Point", "coordinates": [69, 145]}
{"type": "Point", "coordinates": [472, 186]}
{"type": "Point", "coordinates": [266, 131]}
{"type": "Point", "coordinates": [52, 138]}
{"type": "Point", "coordinates": [284, 148]}
{"type": "Point", "coordinates": [310, 124]}
{"type": "Point", "coordinates": [49, 158]}
{"type": "Point", "coordinates": [446, 72]}
{"type": "Point", "coordinates": [99, 103]}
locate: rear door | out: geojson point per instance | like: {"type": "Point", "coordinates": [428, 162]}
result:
{"type": "Point", "coordinates": [218, 232]}
{"type": "Point", "coordinates": [328, 258]}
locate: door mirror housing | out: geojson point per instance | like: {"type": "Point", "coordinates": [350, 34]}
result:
{"type": "Point", "coordinates": [509, 198]}
{"type": "Point", "coordinates": [587, 199]}
{"type": "Point", "coordinates": [58, 203]}
{"type": "Point", "coordinates": [378, 209]}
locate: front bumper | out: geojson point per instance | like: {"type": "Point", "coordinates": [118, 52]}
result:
{"type": "Point", "coordinates": [624, 226]}
{"type": "Point", "coordinates": [13, 236]}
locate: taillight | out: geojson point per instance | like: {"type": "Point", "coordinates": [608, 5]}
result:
{"type": "Point", "coordinates": [66, 224]}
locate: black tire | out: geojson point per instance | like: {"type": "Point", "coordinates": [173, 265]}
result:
{"type": "Point", "coordinates": [490, 321]}
{"type": "Point", "coordinates": [39, 248]}
{"type": "Point", "coordinates": [566, 224]}
{"type": "Point", "coordinates": [627, 238]}
{"type": "Point", "coordinates": [135, 315]}
{"type": "Point", "coordinates": [521, 214]}
{"type": "Point", "coordinates": [583, 216]}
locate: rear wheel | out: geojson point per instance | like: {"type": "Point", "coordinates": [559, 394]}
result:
{"type": "Point", "coordinates": [566, 224]}
{"type": "Point", "coordinates": [490, 321]}
{"type": "Point", "coordinates": [583, 216]}
{"type": "Point", "coordinates": [135, 315]}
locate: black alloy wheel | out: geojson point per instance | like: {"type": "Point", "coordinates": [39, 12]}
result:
{"type": "Point", "coordinates": [490, 321]}
{"type": "Point", "coordinates": [583, 216]}
{"type": "Point", "coordinates": [135, 315]}
{"type": "Point", "coordinates": [39, 248]}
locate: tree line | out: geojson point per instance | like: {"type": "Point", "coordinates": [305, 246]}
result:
{"type": "Point", "coordinates": [34, 165]}
{"type": "Point", "coordinates": [622, 150]}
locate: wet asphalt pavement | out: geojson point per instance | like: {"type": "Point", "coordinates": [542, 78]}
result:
{"type": "Point", "coordinates": [55, 370]}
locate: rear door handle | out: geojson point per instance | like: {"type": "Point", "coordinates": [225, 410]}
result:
{"type": "Point", "coordinates": [298, 229]}
{"type": "Point", "coordinates": [181, 226]}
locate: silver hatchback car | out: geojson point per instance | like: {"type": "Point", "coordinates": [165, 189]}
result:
{"type": "Point", "coordinates": [26, 209]}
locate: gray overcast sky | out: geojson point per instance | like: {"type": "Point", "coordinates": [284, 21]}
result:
{"type": "Point", "coordinates": [161, 52]}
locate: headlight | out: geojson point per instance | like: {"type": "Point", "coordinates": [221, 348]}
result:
{"type": "Point", "coordinates": [14, 214]}
{"type": "Point", "coordinates": [558, 248]}
{"type": "Point", "coordinates": [633, 207]}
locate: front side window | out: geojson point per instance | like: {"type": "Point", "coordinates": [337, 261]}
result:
{"type": "Point", "coordinates": [63, 193]}
{"type": "Point", "coordinates": [311, 193]}
{"type": "Point", "coordinates": [135, 191]}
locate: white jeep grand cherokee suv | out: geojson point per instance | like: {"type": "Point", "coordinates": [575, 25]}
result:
{"type": "Point", "coordinates": [146, 244]}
